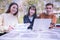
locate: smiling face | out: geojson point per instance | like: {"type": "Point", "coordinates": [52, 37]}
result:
{"type": "Point", "coordinates": [32, 11]}
{"type": "Point", "coordinates": [49, 8]}
{"type": "Point", "coordinates": [13, 9]}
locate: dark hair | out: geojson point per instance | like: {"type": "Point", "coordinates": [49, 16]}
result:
{"type": "Point", "coordinates": [8, 11]}
{"type": "Point", "coordinates": [49, 4]}
{"type": "Point", "coordinates": [34, 9]}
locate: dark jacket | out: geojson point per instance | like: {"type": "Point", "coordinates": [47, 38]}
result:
{"type": "Point", "coordinates": [27, 20]}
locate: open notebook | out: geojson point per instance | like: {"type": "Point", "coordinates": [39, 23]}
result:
{"type": "Point", "coordinates": [41, 24]}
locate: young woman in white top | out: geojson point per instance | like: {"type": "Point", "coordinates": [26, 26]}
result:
{"type": "Point", "coordinates": [9, 19]}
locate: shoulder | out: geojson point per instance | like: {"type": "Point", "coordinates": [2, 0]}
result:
{"type": "Point", "coordinates": [3, 14]}
{"type": "Point", "coordinates": [41, 14]}
{"type": "Point", "coordinates": [53, 14]}
{"type": "Point", "coordinates": [25, 16]}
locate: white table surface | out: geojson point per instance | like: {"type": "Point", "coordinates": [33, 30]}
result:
{"type": "Point", "coordinates": [21, 33]}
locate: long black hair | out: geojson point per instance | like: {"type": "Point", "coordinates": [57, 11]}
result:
{"type": "Point", "coordinates": [8, 11]}
{"type": "Point", "coordinates": [34, 9]}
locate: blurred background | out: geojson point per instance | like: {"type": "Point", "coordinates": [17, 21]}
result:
{"type": "Point", "coordinates": [24, 5]}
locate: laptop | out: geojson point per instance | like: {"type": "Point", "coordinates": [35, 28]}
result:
{"type": "Point", "coordinates": [41, 24]}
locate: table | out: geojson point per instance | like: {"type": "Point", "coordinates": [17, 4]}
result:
{"type": "Point", "coordinates": [20, 34]}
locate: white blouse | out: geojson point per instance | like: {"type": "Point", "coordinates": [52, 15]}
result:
{"type": "Point", "coordinates": [9, 19]}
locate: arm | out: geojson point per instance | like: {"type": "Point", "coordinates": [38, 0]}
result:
{"type": "Point", "coordinates": [54, 20]}
{"type": "Point", "coordinates": [25, 19]}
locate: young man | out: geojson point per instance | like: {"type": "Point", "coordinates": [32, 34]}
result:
{"type": "Point", "coordinates": [49, 14]}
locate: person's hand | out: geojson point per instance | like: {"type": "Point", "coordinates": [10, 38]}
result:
{"type": "Point", "coordinates": [10, 28]}
{"type": "Point", "coordinates": [51, 26]}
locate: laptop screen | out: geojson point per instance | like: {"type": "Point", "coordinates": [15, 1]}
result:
{"type": "Point", "coordinates": [41, 24]}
